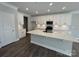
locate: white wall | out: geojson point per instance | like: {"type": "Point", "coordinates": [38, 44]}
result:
{"type": "Point", "coordinates": [8, 20]}
{"type": "Point", "coordinates": [21, 30]}
{"type": "Point", "coordinates": [29, 21]}
{"type": "Point", "coordinates": [10, 16]}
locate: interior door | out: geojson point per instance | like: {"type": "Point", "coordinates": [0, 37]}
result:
{"type": "Point", "coordinates": [26, 23]}
{"type": "Point", "coordinates": [8, 29]}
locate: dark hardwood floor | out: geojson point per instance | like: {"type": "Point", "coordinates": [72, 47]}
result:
{"type": "Point", "coordinates": [23, 48]}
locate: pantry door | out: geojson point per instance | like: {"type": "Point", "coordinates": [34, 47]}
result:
{"type": "Point", "coordinates": [8, 28]}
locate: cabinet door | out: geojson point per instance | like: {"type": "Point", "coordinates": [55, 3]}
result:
{"type": "Point", "coordinates": [37, 20]}
{"type": "Point", "coordinates": [37, 39]}
{"type": "Point", "coordinates": [53, 42]}
{"type": "Point", "coordinates": [22, 33]}
{"type": "Point", "coordinates": [67, 46]}
{"type": "Point", "coordinates": [59, 45]}
{"type": "Point", "coordinates": [75, 25]}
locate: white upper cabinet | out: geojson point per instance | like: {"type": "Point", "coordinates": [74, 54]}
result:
{"type": "Point", "coordinates": [33, 19]}
{"type": "Point", "coordinates": [59, 19]}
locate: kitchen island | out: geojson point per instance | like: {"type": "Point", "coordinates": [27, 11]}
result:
{"type": "Point", "coordinates": [60, 41]}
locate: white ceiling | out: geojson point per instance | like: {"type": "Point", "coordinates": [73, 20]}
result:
{"type": "Point", "coordinates": [42, 7]}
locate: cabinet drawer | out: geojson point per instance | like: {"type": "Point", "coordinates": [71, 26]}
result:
{"type": "Point", "coordinates": [53, 42]}
{"type": "Point", "coordinates": [67, 46]}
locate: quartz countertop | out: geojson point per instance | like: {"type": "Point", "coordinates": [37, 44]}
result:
{"type": "Point", "coordinates": [63, 35]}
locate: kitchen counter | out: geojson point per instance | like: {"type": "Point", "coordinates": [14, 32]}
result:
{"type": "Point", "coordinates": [61, 35]}
{"type": "Point", "coordinates": [60, 41]}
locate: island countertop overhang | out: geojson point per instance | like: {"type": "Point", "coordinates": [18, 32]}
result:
{"type": "Point", "coordinates": [63, 35]}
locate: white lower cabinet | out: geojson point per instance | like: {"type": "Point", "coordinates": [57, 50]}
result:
{"type": "Point", "coordinates": [37, 39]}
{"type": "Point", "coordinates": [59, 45]}
{"type": "Point", "coordinates": [22, 33]}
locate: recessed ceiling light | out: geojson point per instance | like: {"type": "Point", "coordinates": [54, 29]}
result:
{"type": "Point", "coordinates": [50, 4]}
{"type": "Point", "coordinates": [36, 12]}
{"type": "Point", "coordinates": [27, 9]}
{"type": "Point", "coordinates": [63, 7]}
{"type": "Point", "coordinates": [48, 10]}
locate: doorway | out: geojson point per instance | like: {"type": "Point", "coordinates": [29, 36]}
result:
{"type": "Point", "coordinates": [25, 23]}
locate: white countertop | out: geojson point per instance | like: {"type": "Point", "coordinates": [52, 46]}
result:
{"type": "Point", "coordinates": [64, 35]}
